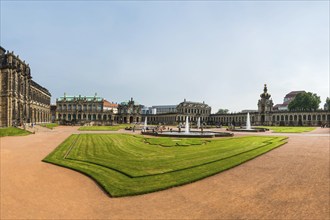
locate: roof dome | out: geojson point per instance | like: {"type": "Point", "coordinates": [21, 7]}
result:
{"type": "Point", "coordinates": [265, 94]}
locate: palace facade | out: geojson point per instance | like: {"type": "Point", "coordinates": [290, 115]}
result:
{"type": "Point", "coordinates": [85, 109]}
{"type": "Point", "coordinates": [129, 112]}
{"type": "Point", "coordinates": [265, 115]}
{"type": "Point", "coordinates": [22, 100]}
{"type": "Point", "coordinates": [194, 110]}
{"type": "Point", "coordinates": [97, 110]}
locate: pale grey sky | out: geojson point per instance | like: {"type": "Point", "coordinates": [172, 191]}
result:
{"type": "Point", "coordinates": [161, 52]}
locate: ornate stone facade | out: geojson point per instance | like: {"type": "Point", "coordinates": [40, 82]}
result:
{"type": "Point", "coordinates": [186, 108]}
{"type": "Point", "coordinates": [85, 109]}
{"type": "Point", "coordinates": [22, 100]}
{"type": "Point", "coordinates": [264, 116]}
{"type": "Point", "coordinates": [129, 112]}
{"type": "Point", "coordinates": [267, 116]}
{"type": "Point", "coordinates": [265, 107]}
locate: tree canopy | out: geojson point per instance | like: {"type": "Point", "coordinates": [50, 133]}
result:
{"type": "Point", "coordinates": [305, 102]}
{"type": "Point", "coordinates": [223, 111]}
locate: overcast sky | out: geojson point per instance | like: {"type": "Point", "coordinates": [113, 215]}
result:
{"type": "Point", "coordinates": [161, 52]}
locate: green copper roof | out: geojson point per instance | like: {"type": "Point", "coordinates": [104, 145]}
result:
{"type": "Point", "coordinates": [88, 98]}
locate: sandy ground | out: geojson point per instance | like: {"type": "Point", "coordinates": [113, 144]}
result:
{"type": "Point", "coordinates": [290, 182]}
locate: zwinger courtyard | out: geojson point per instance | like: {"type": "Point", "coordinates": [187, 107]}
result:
{"type": "Point", "coordinates": [290, 181]}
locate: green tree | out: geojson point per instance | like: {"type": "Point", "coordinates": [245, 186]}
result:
{"type": "Point", "coordinates": [223, 111]}
{"type": "Point", "coordinates": [305, 102]}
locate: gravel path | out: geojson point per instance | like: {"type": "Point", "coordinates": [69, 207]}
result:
{"type": "Point", "coordinates": [291, 182]}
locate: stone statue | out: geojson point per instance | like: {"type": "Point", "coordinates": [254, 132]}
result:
{"type": "Point", "coordinates": [9, 59]}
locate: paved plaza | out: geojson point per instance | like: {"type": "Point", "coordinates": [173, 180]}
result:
{"type": "Point", "coordinates": [290, 182]}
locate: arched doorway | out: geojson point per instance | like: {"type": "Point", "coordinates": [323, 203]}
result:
{"type": "Point", "coordinates": [131, 119]}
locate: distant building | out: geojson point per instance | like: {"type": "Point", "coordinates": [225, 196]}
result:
{"type": "Point", "coordinates": [148, 110]}
{"type": "Point", "coordinates": [53, 113]}
{"type": "Point", "coordinates": [247, 110]}
{"type": "Point", "coordinates": [286, 101]}
{"type": "Point", "coordinates": [110, 106]}
{"type": "Point", "coordinates": [85, 109]}
{"type": "Point", "coordinates": [194, 110]}
{"type": "Point", "coordinates": [266, 115]}
{"type": "Point", "coordinates": [22, 100]}
{"type": "Point", "coordinates": [162, 109]}
{"type": "Point", "coordinates": [129, 112]}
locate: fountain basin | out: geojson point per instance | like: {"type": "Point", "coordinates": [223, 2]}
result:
{"type": "Point", "coordinates": [191, 134]}
{"type": "Point", "coordinates": [249, 130]}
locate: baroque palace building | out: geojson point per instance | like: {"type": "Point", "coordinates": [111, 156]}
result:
{"type": "Point", "coordinates": [97, 110]}
{"type": "Point", "coordinates": [85, 109]}
{"type": "Point", "coordinates": [22, 100]}
{"type": "Point", "coordinates": [194, 110]}
{"type": "Point", "coordinates": [265, 115]}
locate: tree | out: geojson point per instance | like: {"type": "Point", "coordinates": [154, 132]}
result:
{"type": "Point", "coordinates": [327, 104]}
{"type": "Point", "coordinates": [305, 102]}
{"type": "Point", "coordinates": [223, 111]}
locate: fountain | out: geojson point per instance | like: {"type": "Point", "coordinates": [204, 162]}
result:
{"type": "Point", "coordinates": [145, 123]}
{"type": "Point", "coordinates": [186, 128]}
{"type": "Point", "coordinates": [248, 123]}
{"type": "Point", "coordinates": [248, 127]}
{"type": "Point", "coordinates": [187, 132]}
{"type": "Point", "coordinates": [199, 123]}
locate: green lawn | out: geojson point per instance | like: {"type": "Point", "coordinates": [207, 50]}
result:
{"type": "Point", "coordinates": [11, 131]}
{"type": "Point", "coordinates": [289, 129]}
{"type": "Point", "coordinates": [126, 164]}
{"type": "Point", "coordinates": [104, 128]}
{"type": "Point", "coordinates": [49, 125]}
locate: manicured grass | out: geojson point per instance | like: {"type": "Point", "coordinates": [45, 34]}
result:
{"type": "Point", "coordinates": [104, 128]}
{"type": "Point", "coordinates": [49, 125]}
{"type": "Point", "coordinates": [126, 164]}
{"type": "Point", "coordinates": [11, 131]}
{"type": "Point", "coordinates": [289, 129]}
